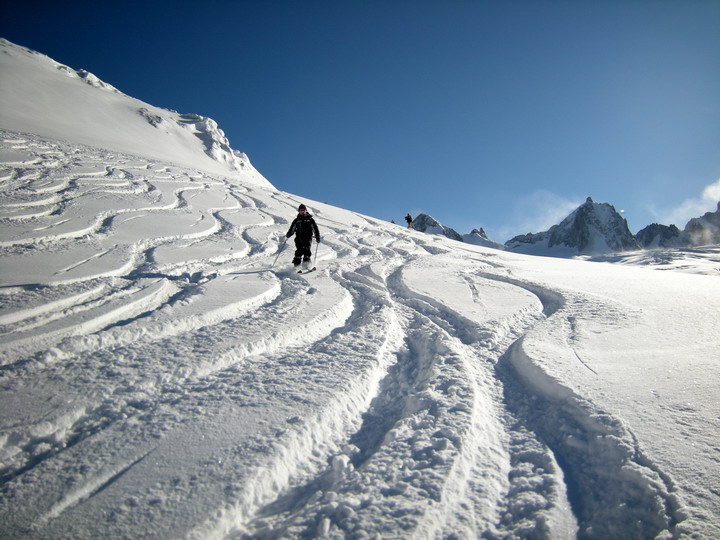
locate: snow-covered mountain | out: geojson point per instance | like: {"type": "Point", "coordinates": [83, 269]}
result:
{"type": "Point", "coordinates": [428, 224]}
{"type": "Point", "coordinates": [478, 237]}
{"type": "Point", "coordinates": [161, 376]}
{"type": "Point", "coordinates": [592, 228]}
{"type": "Point", "coordinates": [704, 230]}
{"type": "Point", "coordinates": [95, 113]}
{"type": "Point", "coordinates": [700, 231]}
{"type": "Point", "coordinates": [659, 236]}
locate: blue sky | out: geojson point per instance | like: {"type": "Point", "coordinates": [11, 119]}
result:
{"type": "Point", "coordinates": [502, 115]}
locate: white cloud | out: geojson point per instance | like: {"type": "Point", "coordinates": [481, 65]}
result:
{"type": "Point", "coordinates": [537, 212]}
{"type": "Point", "coordinates": [690, 208]}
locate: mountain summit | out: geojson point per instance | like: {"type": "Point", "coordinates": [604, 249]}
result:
{"type": "Point", "coordinates": [428, 224]}
{"type": "Point", "coordinates": [659, 236]}
{"type": "Point", "coordinates": [479, 237]}
{"type": "Point", "coordinates": [591, 228]}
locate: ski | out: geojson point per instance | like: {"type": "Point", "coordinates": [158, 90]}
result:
{"type": "Point", "coordinates": [307, 271]}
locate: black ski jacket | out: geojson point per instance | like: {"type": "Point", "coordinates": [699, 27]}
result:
{"type": "Point", "coordinates": [305, 227]}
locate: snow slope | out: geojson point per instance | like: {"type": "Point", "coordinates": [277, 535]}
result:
{"type": "Point", "coordinates": [43, 97]}
{"type": "Point", "coordinates": [159, 379]}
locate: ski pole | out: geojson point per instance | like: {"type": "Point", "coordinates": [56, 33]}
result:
{"type": "Point", "coordinates": [279, 252]}
{"type": "Point", "coordinates": [316, 250]}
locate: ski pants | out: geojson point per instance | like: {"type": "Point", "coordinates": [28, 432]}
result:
{"type": "Point", "coordinates": [302, 249]}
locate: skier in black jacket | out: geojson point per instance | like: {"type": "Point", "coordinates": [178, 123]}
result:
{"type": "Point", "coordinates": [304, 228]}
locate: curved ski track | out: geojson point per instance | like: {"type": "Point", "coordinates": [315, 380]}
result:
{"type": "Point", "coordinates": [179, 387]}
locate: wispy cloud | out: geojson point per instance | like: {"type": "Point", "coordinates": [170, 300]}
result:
{"type": "Point", "coordinates": [695, 207]}
{"type": "Point", "coordinates": [537, 212]}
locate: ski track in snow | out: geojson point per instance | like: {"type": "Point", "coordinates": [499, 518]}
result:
{"type": "Point", "coordinates": [159, 380]}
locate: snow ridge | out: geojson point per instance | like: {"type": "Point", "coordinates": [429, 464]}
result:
{"type": "Point", "coordinates": [213, 138]}
{"type": "Point", "coordinates": [43, 97]}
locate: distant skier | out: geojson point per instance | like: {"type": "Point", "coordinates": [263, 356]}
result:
{"type": "Point", "coordinates": [408, 218]}
{"type": "Point", "coordinates": [304, 228]}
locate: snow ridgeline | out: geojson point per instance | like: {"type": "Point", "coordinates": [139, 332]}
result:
{"type": "Point", "coordinates": [41, 96]}
{"type": "Point", "coordinates": [158, 380]}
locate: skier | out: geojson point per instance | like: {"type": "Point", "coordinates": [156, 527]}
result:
{"type": "Point", "coordinates": [408, 218]}
{"type": "Point", "coordinates": [303, 227]}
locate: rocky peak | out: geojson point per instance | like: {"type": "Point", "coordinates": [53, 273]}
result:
{"type": "Point", "coordinates": [591, 228]}
{"type": "Point", "coordinates": [656, 235]}
{"type": "Point", "coordinates": [428, 224]}
{"type": "Point", "coordinates": [704, 230]}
